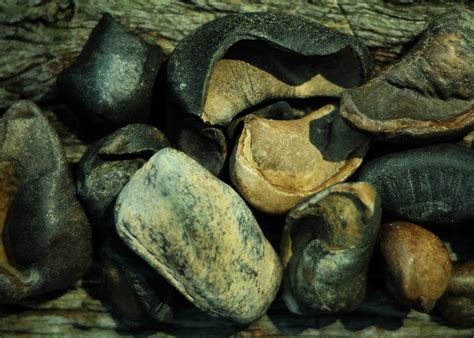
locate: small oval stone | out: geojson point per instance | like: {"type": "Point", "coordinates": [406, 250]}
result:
{"type": "Point", "coordinates": [326, 247]}
{"type": "Point", "coordinates": [275, 163]}
{"type": "Point", "coordinates": [200, 235]}
{"type": "Point", "coordinates": [418, 266]}
{"type": "Point", "coordinates": [428, 185]}
{"type": "Point", "coordinates": [457, 303]}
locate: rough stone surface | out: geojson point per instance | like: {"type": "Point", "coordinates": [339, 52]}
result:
{"type": "Point", "coordinates": [429, 185]}
{"type": "Point", "coordinates": [200, 235]}
{"type": "Point", "coordinates": [418, 266]}
{"type": "Point", "coordinates": [303, 59]}
{"type": "Point", "coordinates": [457, 304]}
{"type": "Point", "coordinates": [275, 163]}
{"type": "Point", "coordinates": [428, 94]}
{"type": "Point", "coordinates": [207, 145]}
{"type": "Point", "coordinates": [46, 238]}
{"type": "Point", "coordinates": [326, 247]}
{"type": "Point", "coordinates": [136, 291]}
{"type": "Point", "coordinates": [108, 165]}
{"type": "Point", "coordinates": [110, 84]}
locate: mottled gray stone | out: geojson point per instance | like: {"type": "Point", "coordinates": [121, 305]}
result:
{"type": "Point", "coordinates": [45, 242]}
{"type": "Point", "coordinates": [200, 235]}
{"type": "Point", "coordinates": [327, 244]}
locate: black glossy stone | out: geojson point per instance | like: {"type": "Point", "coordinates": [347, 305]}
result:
{"type": "Point", "coordinates": [138, 294]}
{"type": "Point", "coordinates": [194, 58]}
{"type": "Point", "coordinates": [428, 185]}
{"type": "Point", "coordinates": [110, 84]}
{"type": "Point", "coordinates": [108, 165]}
{"type": "Point", "coordinates": [46, 238]}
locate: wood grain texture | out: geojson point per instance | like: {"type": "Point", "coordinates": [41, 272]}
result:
{"type": "Point", "coordinates": [82, 311]}
{"type": "Point", "coordinates": [39, 38]}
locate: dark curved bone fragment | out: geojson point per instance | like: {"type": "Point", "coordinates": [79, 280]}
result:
{"type": "Point", "coordinates": [238, 61]}
{"type": "Point", "coordinates": [326, 247]}
{"type": "Point", "coordinates": [136, 291]}
{"type": "Point", "coordinates": [428, 95]}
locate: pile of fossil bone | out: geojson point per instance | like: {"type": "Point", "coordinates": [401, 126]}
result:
{"type": "Point", "coordinates": [264, 114]}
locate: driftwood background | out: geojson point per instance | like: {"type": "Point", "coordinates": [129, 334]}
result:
{"type": "Point", "coordinates": [39, 38]}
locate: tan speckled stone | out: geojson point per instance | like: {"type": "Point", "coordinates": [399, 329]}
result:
{"type": "Point", "coordinates": [200, 235]}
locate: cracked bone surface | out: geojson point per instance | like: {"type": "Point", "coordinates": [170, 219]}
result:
{"type": "Point", "coordinates": [275, 164]}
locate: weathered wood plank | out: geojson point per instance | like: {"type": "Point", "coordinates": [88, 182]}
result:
{"type": "Point", "coordinates": [78, 312]}
{"type": "Point", "coordinates": [39, 38]}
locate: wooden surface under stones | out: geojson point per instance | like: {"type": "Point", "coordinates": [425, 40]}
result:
{"type": "Point", "coordinates": [39, 39]}
{"type": "Point", "coordinates": [80, 311]}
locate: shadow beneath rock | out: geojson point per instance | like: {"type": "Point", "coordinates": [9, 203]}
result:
{"type": "Point", "coordinates": [289, 323]}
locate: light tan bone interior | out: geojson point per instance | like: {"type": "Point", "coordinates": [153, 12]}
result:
{"type": "Point", "coordinates": [253, 72]}
{"type": "Point", "coordinates": [275, 163]}
{"type": "Point", "coordinates": [8, 187]}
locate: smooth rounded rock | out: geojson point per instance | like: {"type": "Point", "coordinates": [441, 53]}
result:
{"type": "Point", "coordinates": [235, 62]}
{"type": "Point", "coordinates": [200, 235]}
{"type": "Point", "coordinates": [428, 185]}
{"type": "Point", "coordinates": [108, 165]}
{"type": "Point", "coordinates": [457, 303]}
{"type": "Point", "coordinates": [428, 94]}
{"type": "Point", "coordinates": [45, 240]}
{"type": "Point", "coordinates": [111, 83]}
{"type": "Point", "coordinates": [326, 247]}
{"type": "Point", "coordinates": [276, 163]}
{"type": "Point", "coordinates": [418, 266]}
